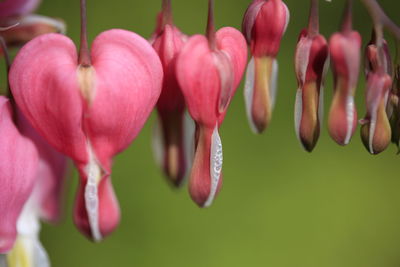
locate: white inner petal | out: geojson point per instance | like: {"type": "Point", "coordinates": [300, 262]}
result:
{"type": "Point", "coordinates": [93, 173]}
{"type": "Point", "coordinates": [41, 259]}
{"type": "Point", "coordinates": [274, 83]}
{"type": "Point", "coordinates": [349, 118]}
{"type": "Point", "coordinates": [298, 111]}
{"type": "Point", "coordinates": [216, 159]}
{"type": "Point", "coordinates": [32, 19]}
{"type": "Point", "coordinates": [249, 92]}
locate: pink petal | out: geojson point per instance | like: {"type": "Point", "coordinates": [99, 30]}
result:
{"type": "Point", "coordinates": [51, 175]}
{"type": "Point", "coordinates": [46, 89]}
{"type": "Point", "coordinates": [18, 168]}
{"type": "Point", "coordinates": [128, 84]}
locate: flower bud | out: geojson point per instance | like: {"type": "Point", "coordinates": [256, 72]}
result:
{"type": "Point", "coordinates": [345, 56]}
{"type": "Point", "coordinates": [311, 64]}
{"type": "Point", "coordinates": [209, 71]}
{"type": "Point", "coordinates": [264, 25]}
{"type": "Point", "coordinates": [174, 135]}
{"type": "Point", "coordinates": [375, 130]}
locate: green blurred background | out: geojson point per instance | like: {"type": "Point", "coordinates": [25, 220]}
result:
{"type": "Point", "coordinates": [280, 206]}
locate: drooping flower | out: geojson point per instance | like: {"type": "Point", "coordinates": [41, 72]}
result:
{"type": "Point", "coordinates": [375, 130]}
{"type": "Point", "coordinates": [264, 25]}
{"type": "Point", "coordinates": [173, 137]}
{"type": "Point", "coordinates": [209, 69]}
{"type": "Point", "coordinates": [311, 65]}
{"type": "Point", "coordinates": [345, 55]}
{"type": "Point", "coordinates": [18, 174]}
{"type": "Point", "coordinates": [44, 203]}
{"type": "Point", "coordinates": [89, 107]}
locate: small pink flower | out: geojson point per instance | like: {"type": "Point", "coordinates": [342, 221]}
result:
{"type": "Point", "coordinates": [209, 71]}
{"type": "Point", "coordinates": [174, 137]}
{"type": "Point", "coordinates": [311, 64]}
{"type": "Point", "coordinates": [345, 55]}
{"type": "Point", "coordinates": [18, 168]}
{"type": "Point", "coordinates": [264, 25]}
{"type": "Point", "coordinates": [89, 108]}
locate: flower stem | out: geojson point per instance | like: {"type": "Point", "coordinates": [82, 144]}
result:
{"type": "Point", "coordinates": [347, 24]}
{"type": "Point", "coordinates": [380, 18]}
{"type": "Point", "coordinates": [84, 53]}
{"type": "Point", "coordinates": [313, 22]}
{"type": "Point", "coordinates": [166, 13]}
{"type": "Point", "coordinates": [210, 25]}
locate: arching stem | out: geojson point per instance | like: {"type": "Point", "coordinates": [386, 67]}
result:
{"type": "Point", "coordinates": [210, 25]}
{"type": "Point", "coordinates": [84, 53]}
{"type": "Point", "coordinates": [313, 21]}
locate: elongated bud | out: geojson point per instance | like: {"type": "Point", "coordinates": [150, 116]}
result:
{"type": "Point", "coordinates": [173, 136]}
{"type": "Point", "coordinates": [375, 130]}
{"type": "Point", "coordinates": [345, 56]}
{"type": "Point", "coordinates": [264, 25]}
{"type": "Point", "coordinates": [311, 63]}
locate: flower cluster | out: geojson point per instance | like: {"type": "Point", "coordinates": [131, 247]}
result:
{"type": "Point", "coordinates": [89, 104]}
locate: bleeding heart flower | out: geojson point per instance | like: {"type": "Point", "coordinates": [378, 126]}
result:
{"type": "Point", "coordinates": [89, 107]}
{"type": "Point", "coordinates": [375, 130]}
{"type": "Point", "coordinates": [344, 49]}
{"type": "Point", "coordinates": [45, 202]}
{"type": "Point", "coordinates": [173, 138]}
{"type": "Point", "coordinates": [209, 71]}
{"type": "Point", "coordinates": [311, 63]}
{"type": "Point", "coordinates": [18, 174]}
{"type": "Point", "coordinates": [264, 25]}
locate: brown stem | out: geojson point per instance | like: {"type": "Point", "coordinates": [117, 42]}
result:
{"type": "Point", "coordinates": [347, 23]}
{"type": "Point", "coordinates": [166, 13]}
{"type": "Point", "coordinates": [210, 25]}
{"type": "Point", "coordinates": [313, 21]}
{"type": "Point", "coordinates": [380, 18]}
{"type": "Point", "coordinates": [84, 53]}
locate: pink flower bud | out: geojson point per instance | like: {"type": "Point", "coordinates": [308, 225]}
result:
{"type": "Point", "coordinates": [264, 25]}
{"type": "Point", "coordinates": [209, 72]}
{"type": "Point", "coordinates": [172, 131]}
{"type": "Point", "coordinates": [345, 56]}
{"type": "Point", "coordinates": [18, 168]}
{"type": "Point", "coordinates": [375, 130]}
{"type": "Point", "coordinates": [90, 113]}
{"type": "Point", "coordinates": [17, 8]}
{"type": "Point", "coordinates": [311, 64]}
